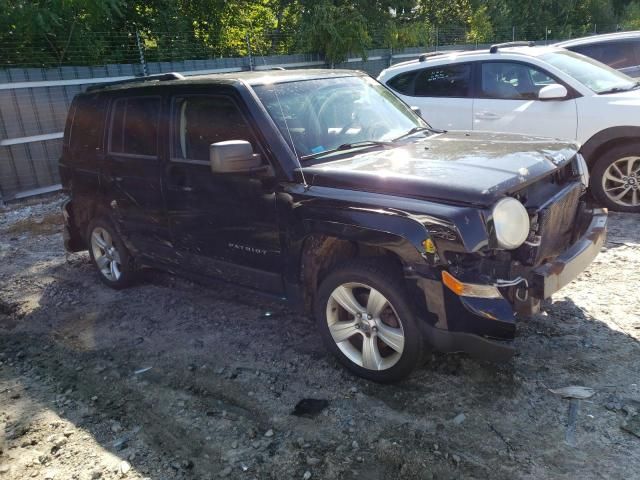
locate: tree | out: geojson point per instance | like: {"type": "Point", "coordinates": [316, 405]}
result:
{"type": "Point", "coordinates": [334, 30]}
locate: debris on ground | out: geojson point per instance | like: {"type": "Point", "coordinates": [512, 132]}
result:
{"type": "Point", "coordinates": [224, 374]}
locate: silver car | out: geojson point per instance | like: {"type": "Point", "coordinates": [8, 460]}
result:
{"type": "Point", "coordinates": [619, 50]}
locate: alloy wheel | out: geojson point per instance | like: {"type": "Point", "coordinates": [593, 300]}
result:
{"type": "Point", "coordinates": [365, 326]}
{"type": "Point", "coordinates": [105, 254]}
{"type": "Point", "coordinates": [621, 181]}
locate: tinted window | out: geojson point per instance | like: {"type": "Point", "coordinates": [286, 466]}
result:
{"type": "Point", "coordinates": [445, 81]}
{"type": "Point", "coordinates": [614, 54]}
{"type": "Point", "coordinates": [403, 83]}
{"type": "Point", "coordinates": [200, 121]}
{"type": "Point", "coordinates": [512, 81]}
{"type": "Point", "coordinates": [134, 126]}
{"type": "Point", "coordinates": [88, 124]}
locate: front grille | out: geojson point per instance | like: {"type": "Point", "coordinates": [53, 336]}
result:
{"type": "Point", "coordinates": [553, 226]}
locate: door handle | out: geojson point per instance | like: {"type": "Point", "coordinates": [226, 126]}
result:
{"type": "Point", "coordinates": [487, 116]}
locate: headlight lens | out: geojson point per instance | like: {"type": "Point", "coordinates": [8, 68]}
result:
{"type": "Point", "coordinates": [511, 223]}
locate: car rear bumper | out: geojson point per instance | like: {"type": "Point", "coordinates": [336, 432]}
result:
{"type": "Point", "coordinates": [72, 238]}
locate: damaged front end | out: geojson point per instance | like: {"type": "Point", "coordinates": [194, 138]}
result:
{"type": "Point", "coordinates": [483, 293]}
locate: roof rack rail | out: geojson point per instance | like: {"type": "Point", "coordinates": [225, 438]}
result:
{"type": "Point", "coordinates": [426, 56]}
{"type": "Point", "coordinates": [497, 46]}
{"type": "Point", "coordinates": [141, 79]}
{"type": "Point", "coordinates": [267, 68]}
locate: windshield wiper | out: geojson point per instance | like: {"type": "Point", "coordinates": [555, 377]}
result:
{"type": "Point", "coordinates": [349, 146]}
{"type": "Point", "coordinates": [415, 130]}
{"type": "Point", "coordinates": [620, 89]}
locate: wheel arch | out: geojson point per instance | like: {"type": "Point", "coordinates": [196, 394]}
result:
{"type": "Point", "coordinates": [326, 243]}
{"type": "Point", "coordinates": [606, 139]}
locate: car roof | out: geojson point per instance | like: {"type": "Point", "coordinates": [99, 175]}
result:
{"type": "Point", "coordinates": [257, 77]}
{"type": "Point", "coordinates": [471, 55]}
{"type": "Point", "coordinates": [605, 37]}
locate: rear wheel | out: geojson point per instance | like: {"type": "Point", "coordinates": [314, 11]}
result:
{"type": "Point", "coordinates": [109, 254]}
{"type": "Point", "coordinates": [615, 178]}
{"type": "Point", "coordinates": [366, 320]}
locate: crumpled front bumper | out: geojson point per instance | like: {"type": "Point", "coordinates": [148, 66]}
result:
{"type": "Point", "coordinates": [484, 327]}
{"type": "Point", "coordinates": [552, 276]}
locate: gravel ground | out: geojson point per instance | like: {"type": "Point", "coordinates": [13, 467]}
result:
{"type": "Point", "coordinates": [170, 379]}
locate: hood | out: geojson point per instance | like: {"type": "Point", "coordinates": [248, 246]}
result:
{"type": "Point", "coordinates": [630, 98]}
{"type": "Point", "coordinates": [458, 167]}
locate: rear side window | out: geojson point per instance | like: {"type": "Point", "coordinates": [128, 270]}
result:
{"type": "Point", "coordinates": [403, 83]}
{"type": "Point", "coordinates": [443, 81]}
{"type": "Point", "coordinates": [615, 54]}
{"type": "Point", "coordinates": [88, 124]}
{"type": "Point", "coordinates": [134, 126]}
{"type": "Point", "coordinates": [201, 120]}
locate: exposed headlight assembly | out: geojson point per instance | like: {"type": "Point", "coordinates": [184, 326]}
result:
{"type": "Point", "coordinates": [582, 170]}
{"type": "Point", "coordinates": [510, 223]}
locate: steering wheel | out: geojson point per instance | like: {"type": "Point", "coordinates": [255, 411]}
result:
{"type": "Point", "coordinates": [332, 101]}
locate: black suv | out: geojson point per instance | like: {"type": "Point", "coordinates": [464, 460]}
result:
{"type": "Point", "coordinates": [323, 188]}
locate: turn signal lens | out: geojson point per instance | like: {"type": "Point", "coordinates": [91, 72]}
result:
{"type": "Point", "coordinates": [429, 246]}
{"type": "Point", "coordinates": [469, 289]}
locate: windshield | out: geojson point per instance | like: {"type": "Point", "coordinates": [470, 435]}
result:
{"type": "Point", "coordinates": [316, 116]}
{"type": "Point", "coordinates": [597, 76]}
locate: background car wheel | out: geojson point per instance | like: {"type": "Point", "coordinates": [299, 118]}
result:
{"type": "Point", "coordinates": [109, 254]}
{"type": "Point", "coordinates": [615, 178]}
{"type": "Point", "coordinates": [366, 320]}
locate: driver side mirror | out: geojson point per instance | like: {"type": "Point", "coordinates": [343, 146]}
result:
{"type": "Point", "coordinates": [234, 156]}
{"type": "Point", "coordinates": [553, 92]}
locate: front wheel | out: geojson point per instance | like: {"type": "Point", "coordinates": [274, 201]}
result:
{"type": "Point", "coordinates": [366, 320]}
{"type": "Point", "coordinates": [615, 178]}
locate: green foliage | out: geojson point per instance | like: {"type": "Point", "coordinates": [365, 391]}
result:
{"type": "Point", "coordinates": [631, 16]}
{"type": "Point", "coordinates": [94, 32]}
{"type": "Point", "coordinates": [335, 30]}
{"type": "Point", "coordinates": [480, 27]}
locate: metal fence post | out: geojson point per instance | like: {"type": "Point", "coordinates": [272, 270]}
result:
{"type": "Point", "coordinates": [437, 37]}
{"type": "Point", "coordinates": [513, 34]}
{"type": "Point", "coordinates": [249, 52]}
{"type": "Point", "coordinates": [143, 63]}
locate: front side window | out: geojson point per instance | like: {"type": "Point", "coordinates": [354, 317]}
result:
{"type": "Point", "coordinates": [134, 126]}
{"type": "Point", "coordinates": [445, 81]}
{"type": "Point", "coordinates": [512, 81]}
{"type": "Point", "coordinates": [200, 121]}
{"type": "Point", "coordinates": [594, 75]}
{"type": "Point", "coordinates": [319, 115]}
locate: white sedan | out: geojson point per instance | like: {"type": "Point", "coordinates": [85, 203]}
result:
{"type": "Point", "coordinates": [543, 91]}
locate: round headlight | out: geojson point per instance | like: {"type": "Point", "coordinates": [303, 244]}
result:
{"type": "Point", "coordinates": [511, 223]}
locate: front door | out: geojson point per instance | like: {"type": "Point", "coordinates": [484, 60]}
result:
{"type": "Point", "coordinates": [506, 100]}
{"type": "Point", "coordinates": [132, 173]}
{"type": "Point", "coordinates": [223, 225]}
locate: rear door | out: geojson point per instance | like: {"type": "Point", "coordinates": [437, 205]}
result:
{"type": "Point", "coordinates": [506, 100]}
{"type": "Point", "coordinates": [441, 92]}
{"type": "Point", "coordinates": [133, 170]}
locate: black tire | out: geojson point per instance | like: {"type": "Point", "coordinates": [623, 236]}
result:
{"type": "Point", "coordinates": [603, 163]}
{"type": "Point", "coordinates": [386, 278]}
{"type": "Point", "coordinates": [125, 268]}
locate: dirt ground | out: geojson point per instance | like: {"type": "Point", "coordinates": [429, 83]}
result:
{"type": "Point", "coordinates": [170, 379]}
